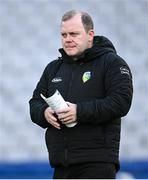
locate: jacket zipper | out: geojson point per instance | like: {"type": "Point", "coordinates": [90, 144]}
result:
{"type": "Point", "coordinates": [68, 95]}
{"type": "Point", "coordinates": [71, 79]}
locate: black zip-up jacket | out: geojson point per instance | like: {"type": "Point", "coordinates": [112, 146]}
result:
{"type": "Point", "coordinates": [100, 83]}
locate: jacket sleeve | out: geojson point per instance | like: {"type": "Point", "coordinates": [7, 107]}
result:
{"type": "Point", "coordinates": [118, 96]}
{"type": "Point", "coordinates": [37, 104]}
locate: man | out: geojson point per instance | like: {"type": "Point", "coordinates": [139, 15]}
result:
{"type": "Point", "coordinates": [97, 85]}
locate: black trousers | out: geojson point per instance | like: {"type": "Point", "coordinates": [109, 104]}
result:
{"type": "Point", "coordinates": [86, 171]}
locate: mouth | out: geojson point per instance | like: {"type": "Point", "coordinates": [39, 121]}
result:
{"type": "Point", "coordinates": [70, 47]}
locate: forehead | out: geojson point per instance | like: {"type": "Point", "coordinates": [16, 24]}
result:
{"type": "Point", "coordinates": [73, 24]}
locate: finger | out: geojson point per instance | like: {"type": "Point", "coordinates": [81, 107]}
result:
{"type": "Point", "coordinates": [63, 110]}
{"type": "Point", "coordinates": [50, 110]}
{"type": "Point", "coordinates": [68, 103]}
{"type": "Point", "coordinates": [54, 123]}
{"type": "Point", "coordinates": [66, 119]}
{"type": "Point", "coordinates": [63, 115]}
{"type": "Point", "coordinates": [52, 118]}
{"type": "Point", "coordinates": [68, 122]}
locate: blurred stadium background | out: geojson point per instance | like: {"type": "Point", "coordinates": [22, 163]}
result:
{"type": "Point", "coordinates": [29, 39]}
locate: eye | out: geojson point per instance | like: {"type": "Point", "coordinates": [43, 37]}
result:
{"type": "Point", "coordinates": [64, 35]}
{"type": "Point", "coordinates": [74, 34]}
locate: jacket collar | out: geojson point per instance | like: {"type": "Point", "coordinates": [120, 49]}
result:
{"type": "Point", "coordinates": [101, 46]}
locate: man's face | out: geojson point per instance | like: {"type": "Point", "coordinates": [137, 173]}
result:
{"type": "Point", "coordinates": [74, 37]}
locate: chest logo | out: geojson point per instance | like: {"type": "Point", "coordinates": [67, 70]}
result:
{"type": "Point", "coordinates": [86, 76]}
{"type": "Point", "coordinates": [56, 79]}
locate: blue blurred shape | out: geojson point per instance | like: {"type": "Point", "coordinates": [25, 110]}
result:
{"type": "Point", "coordinates": [42, 170]}
{"type": "Point", "coordinates": [25, 170]}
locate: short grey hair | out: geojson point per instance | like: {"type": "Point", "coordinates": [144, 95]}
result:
{"type": "Point", "coordinates": [85, 17]}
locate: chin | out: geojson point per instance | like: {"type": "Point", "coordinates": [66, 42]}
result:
{"type": "Point", "coordinates": [71, 54]}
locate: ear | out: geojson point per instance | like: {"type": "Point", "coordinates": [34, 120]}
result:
{"type": "Point", "coordinates": [91, 35]}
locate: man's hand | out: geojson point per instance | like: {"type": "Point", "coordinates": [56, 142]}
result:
{"type": "Point", "coordinates": [49, 116]}
{"type": "Point", "coordinates": [68, 115]}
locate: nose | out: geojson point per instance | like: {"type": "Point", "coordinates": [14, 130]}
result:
{"type": "Point", "coordinates": [68, 38]}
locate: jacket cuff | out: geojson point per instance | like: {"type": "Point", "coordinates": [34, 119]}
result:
{"type": "Point", "coordinates": [44, 122]}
